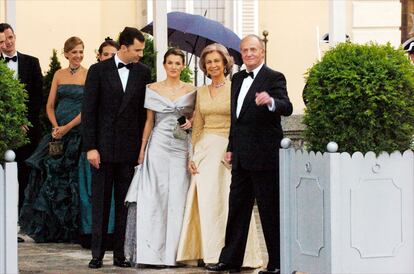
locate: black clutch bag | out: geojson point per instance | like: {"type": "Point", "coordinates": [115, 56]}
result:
{"type": "Point", "coordinates": [55, 147]}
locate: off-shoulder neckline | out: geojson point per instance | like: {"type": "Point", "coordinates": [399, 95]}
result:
{"type": "Point", "coordinates": [168, 99]}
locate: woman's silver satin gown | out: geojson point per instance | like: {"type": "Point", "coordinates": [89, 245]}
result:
{"type": "Point", "coordinates": [154, 224]}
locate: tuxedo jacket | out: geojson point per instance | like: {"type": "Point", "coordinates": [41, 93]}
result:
{"type": "Point", "coordinates": [30, 74]}
{"type": "Point", "coordinates": [113, 120]}
{"type": "Point", "coordinates": [255, 135]}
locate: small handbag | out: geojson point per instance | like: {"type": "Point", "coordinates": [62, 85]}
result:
{"type": "Point", "coordinates": [179, 133]}
{"type": "Point", "coordinates": [55, 147]}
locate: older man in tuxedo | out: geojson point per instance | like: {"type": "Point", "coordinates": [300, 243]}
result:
{"type": "Point", "coordinates": [258, 99]}
{"type": "Point", "coordinates": [27, 69]}
{"type": "Point", "coordinates": [113, 118]}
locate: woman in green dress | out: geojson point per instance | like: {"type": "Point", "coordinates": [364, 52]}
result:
{"type": "Point", "coordinates": [50, 211]}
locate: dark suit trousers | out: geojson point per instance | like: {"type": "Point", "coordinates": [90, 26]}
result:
{"type": "Point", "coordinates": [117, 176]}
{"type": "Point", "coordinates": [22, 153]}
{"type": "Point", "coordinates": [246, 186]}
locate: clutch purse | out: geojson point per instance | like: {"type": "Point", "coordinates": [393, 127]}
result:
{"type": "Point", "coordinates": [179, 133]}
{"type": "Point", "coordinates": [55, 147]}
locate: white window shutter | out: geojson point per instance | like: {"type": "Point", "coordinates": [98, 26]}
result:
{"type": "Point", "coordinates": [249, 15]}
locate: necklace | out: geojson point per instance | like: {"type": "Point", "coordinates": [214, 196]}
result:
{"type": "Point", "coordinates": [219, 85]}
{"type": "Point", "coordinates": [73, 70]}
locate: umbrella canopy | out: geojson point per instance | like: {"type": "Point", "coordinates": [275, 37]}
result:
{"type": "Point", "coordinates": [193, 33]}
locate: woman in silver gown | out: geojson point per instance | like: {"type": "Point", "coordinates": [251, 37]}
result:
{"type": "Point", "coordinates": [156, 211]}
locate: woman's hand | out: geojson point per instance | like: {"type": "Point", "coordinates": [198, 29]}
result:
{"type": "Point", "coordinates": [54, 130]}
{"type": "Point", "coordinates": [192, 168]}
{"type": "Point", "coordinates": [141, 158]}
{"type": "Point", "coordinates": [60, 131]}
{"type": "Point", "coordinates": [186, 125]}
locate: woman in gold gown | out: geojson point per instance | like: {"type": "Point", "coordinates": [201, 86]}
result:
{"type": "Point", "coordinates": [205, 218]}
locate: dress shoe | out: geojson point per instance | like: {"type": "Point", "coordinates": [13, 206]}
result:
{"type": "Point", "coordinates": [223, 267]}
{"type": "Point", "coordinates": [95, 263]}
{"type": "Point", "coordinates": [269, 271]}
{"type": "Point", "coordinates": [200, 263]}
{"type": "Point", "coordinates": [20, 240]}
{"type": "Point", "coordinates": [121, 262]}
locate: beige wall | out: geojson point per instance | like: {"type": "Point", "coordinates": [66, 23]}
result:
{"type": "Point", "coordinates": [292, 46]}
{"type": "Point", "coordinates": [43, 25]}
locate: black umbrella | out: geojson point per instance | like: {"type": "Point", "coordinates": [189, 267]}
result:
{"type": "Point", "coordinates": [192, 33]}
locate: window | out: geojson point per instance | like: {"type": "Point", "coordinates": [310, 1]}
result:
{"type": "Point", "coordinates": [214, 8]}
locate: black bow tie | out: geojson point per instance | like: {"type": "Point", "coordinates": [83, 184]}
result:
{"type": "Point", "coordinates": [7, 59]}
{"type": "Point", "coordinates": [128, 66]}
{"type": "Point", "coordinates": [247, 74]}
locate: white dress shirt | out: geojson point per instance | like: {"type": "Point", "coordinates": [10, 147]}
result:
{"type": "Point", "coordinates": [247, 82]}
{"type": "Point", "coordinates": [12, 65]}
{"type": "Point", "coordinates": [123, 72]}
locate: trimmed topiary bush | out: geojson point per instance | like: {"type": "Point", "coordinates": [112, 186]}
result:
{"type": "Point", "coordinates": [362, 97]}
{"type": "Point", "coordinates": [13, 111]}
{"type": "Point", "coordinates": [47, 83]}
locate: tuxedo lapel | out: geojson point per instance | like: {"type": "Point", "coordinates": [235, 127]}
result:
{"type": "Point", "coordinates": [237, 83]}
{"type": "Point", "coordinates": [130, 87]}
{"type": "Point", "coordinates": [111, 72]}
{"type": "Point", "coordinates": [251, 93]}
{"type": "Point", "coordinates": [21, 67]}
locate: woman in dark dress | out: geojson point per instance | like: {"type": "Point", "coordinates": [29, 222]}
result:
{"type": "Point", "coordinates": [50, 212]}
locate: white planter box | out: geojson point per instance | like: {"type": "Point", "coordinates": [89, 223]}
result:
{"type": "Point", "coordinates": [343, 214]}
{"type": "Point", "coordinates": [9, 189]}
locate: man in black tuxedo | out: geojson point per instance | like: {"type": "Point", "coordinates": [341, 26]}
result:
{"type": "Point", "coordinates": [27, 69]}
{"type": "Point", "coordinates": [113, 118]}
{"type": "Point", "coordinates": [258, 99]}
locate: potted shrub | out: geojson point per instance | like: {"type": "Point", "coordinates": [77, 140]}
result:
{"type": "Point", "coordinates": [362, 97]}
{"type": "Point", "coordinates": [13, 111]}
{"type": "Point", "coordinates": [352, 211]}
{"type": "Point", "coordinates": [13, 116]}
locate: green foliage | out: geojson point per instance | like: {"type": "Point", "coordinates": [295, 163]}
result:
{"type": "Point", "coordinates": [13, 111]}
{"type": "Point", "coordinates": [186, 75]}
{"type": "Point", "coordinates": [149, 59]}
{"type": "Point", "coordinates": [47, 83]}
{"type": "Point", "coordinates": [362, 97]}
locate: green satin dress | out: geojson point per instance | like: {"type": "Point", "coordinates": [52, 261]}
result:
{"type": "Point", "coordinates": [57, 205]}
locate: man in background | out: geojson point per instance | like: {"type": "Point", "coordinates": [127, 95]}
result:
{"type": "Point", "coordinates": [27, 69]}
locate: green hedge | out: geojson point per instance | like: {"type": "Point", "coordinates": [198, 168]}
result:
{"type": "Point", "coordinates": [362, 97]}
{"type": "Point", "coordinates": [13, 111]}
{"type": "Point", "coordinates": [54, 66]}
